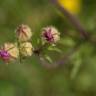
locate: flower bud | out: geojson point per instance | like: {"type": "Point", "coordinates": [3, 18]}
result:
{"type": "Point", "coordinates": [26, 49]}
{"type": "Point", "coordinates": [50, 34]}
{"type": "Point", "coordinates": [23, 33]}
{"type": "Point", "coordinates": [11, 49]}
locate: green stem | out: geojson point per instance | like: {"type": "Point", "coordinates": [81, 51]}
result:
{"type": "Point", "coordinates": [20, 58]}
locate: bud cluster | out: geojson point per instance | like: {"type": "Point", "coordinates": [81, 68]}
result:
{"type": "Point", "coordinates": [23, 47]}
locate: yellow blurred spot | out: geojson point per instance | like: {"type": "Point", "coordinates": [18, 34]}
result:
{"type": "Point", "coordinates": [73, 6]}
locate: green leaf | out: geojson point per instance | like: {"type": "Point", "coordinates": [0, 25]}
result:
{"type": "Point", "coordinates": [48, 59]}
{"type": "Point", "coordinates": [55, 49]}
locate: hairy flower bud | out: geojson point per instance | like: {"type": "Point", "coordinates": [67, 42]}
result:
{"type": "Point", "coordinates": [50, 34]}
{"type": "Point", "coordinates": [11, 49]}
{"type": "Point", "coordinates": [23, 33]}
{"type": "Point", "coordinates": [26, 49]}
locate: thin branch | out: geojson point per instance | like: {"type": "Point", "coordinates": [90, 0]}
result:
{"type": "Point", "coordinates": [73, 19]}
{"type": "Point", "coordinates": [65, 59]}
{"type": "Point", "coordinates": [39, 49]}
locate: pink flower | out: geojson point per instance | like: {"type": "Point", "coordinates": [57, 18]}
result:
{"type": "Point", "coordinates": [4, 55]}
{"type": "Point", "coordinates": [50, 34]}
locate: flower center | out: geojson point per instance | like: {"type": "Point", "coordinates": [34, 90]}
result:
{"type": "Point", "coordinates": [48, 35]}
{"type": "Point", "coordinates": [4, 55]}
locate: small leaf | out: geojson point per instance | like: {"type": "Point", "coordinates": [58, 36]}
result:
{"type": "Point", "coordinates": [55, 49]}
{"type": "Point", "coordinates": [48, 59]}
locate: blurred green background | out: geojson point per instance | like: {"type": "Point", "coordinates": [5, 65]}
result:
{"type": "Point", "coordinates": [76, 78]}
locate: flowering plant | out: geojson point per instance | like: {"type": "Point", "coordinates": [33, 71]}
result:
{"type": "Point", "coordinates": [23, 47]}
